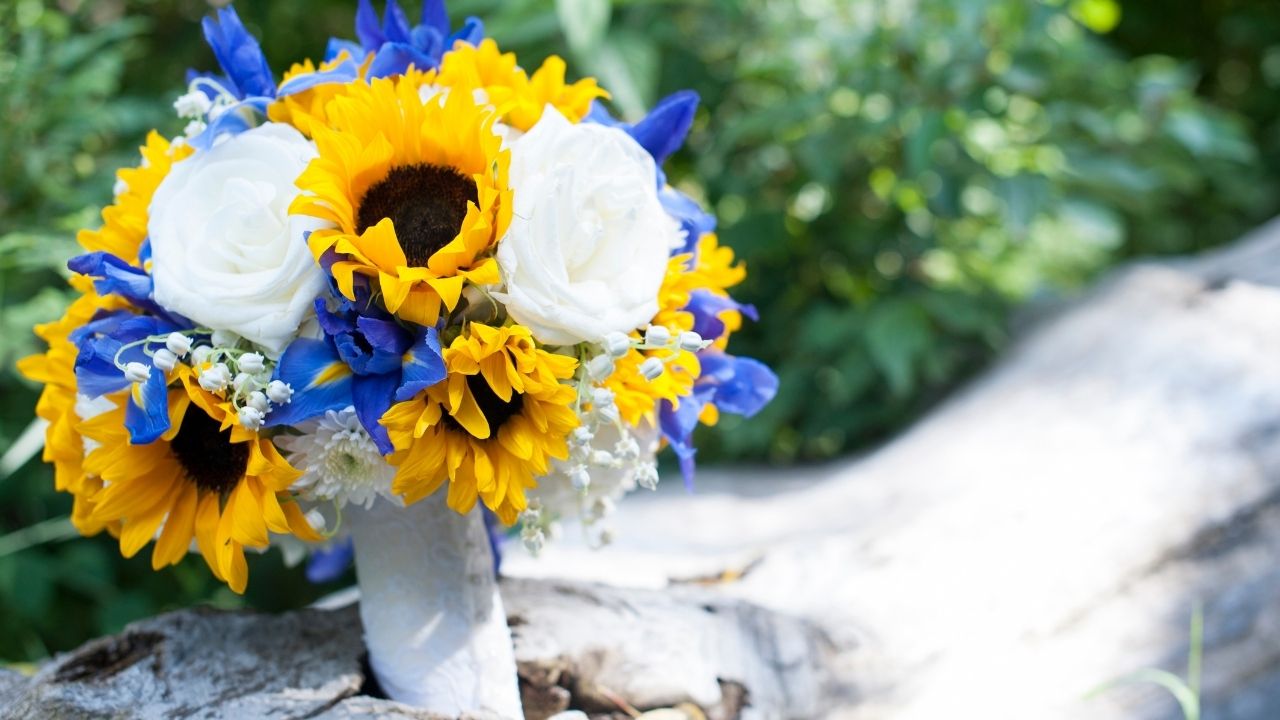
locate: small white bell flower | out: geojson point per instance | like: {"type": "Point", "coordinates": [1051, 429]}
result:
{"type": "Point", "coordinates": [657, 335]}
{"type": "Point", "coordinates": [192, 105]}
{"type": "Point", "coordinates": [579, 477]}
{"type": "Point", "coordinates": [201, 355]}
{"type": "Point", "coordinates": [251, 363]}
{"type": "Point", "coordinates": [279, 392]}
{"type": "Point", "coordinates": [178, 344]}
{"type": "Point", "coordinates": [258, 401]}
{"type": "Point", "coordinates": [581, 436]}
{"type": "Point", "coordinates": [136, 372]}
{"type": "Point", "coordinates": [216, 378]}
{"type": "Point", "coordinates": [691, 341]}
{"type": "Point", "coordinates": [242, 381]}
{"type": "Point", "coordinates": [224, 338]}
{"type": "Point", "coordinates": [652, 368]}
{"type": "Point", "coordinates": [616, 344]}
{"type": "Point", "coordinates": [600, 367]}
{"type": "Point", "coordinates": [647, 476]}
{"type": "Point", "coordinates": [251, 417]}
{"type": "Point", "coordinates": [165, 360]}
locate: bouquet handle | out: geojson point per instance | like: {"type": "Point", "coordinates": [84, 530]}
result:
{"type": "Point", "coordinates": [433, 619]}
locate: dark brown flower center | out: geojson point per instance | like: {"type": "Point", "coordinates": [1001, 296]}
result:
{"type": "Point", "coordinates": [206, 452]}
{"type": "Point", "coordinates": [426, 203]}
{"type": "Point", "coordinates": [495, 409]}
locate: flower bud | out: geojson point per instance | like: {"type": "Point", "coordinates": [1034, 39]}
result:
{"type": "Point", "coordinates": [251, 363]}
{"type": "Point", "coordinates": [600, 367]}
{"type": "Point", "coordinates": [279, 392]}
{"type": "Point", "coordinates": [136, 372]}
{"type": "Point", "coordinates": [616, 344]}
{"type": "Point", "coordinates": [657, 335]}
{"type": "Point", "coordinates": [647, 476]}
{"type": "Point", "coordinates": [579, 477]}
{"type": "Point", "coordinates": [178, 344]}
{"type": "Point", "coordinates": [224, 338]}
{"type": "Point", "coordinates": [164, 360]}
{"type": "Point", "coordinates": [201, 355]}
{"type": "Point", "coordinates": [251, 417]}
{"type": "Point", "coordinates": [691, 341]}
{"type": "Point", "coordinates": [242, 381]}
{"type": "Point", "coordinates": [258, 401]}
{"type": "Point", "coordinates": [192, 105]}
{"type": "Point", "coordinates": [580, 436]}
{"type": "Point", "coordinates": [652, 368]}
{"type": "Point", "coordinates": [316, 520]}
{"type": "Point", "coordinates": [215, 379]}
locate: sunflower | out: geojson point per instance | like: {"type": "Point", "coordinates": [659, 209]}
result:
{"type": "Point", "coordinates": [519, 97]}
{"type": "Point", "coordinates": [125, 221]}
{"type": "Point", "coordinates": [417, 191]}
{"type": "Point", "coordinates": [55, 368]}
{"type": "Point", "coordinates": [491, 428]}
{"type": "Point", "coordinates": [206, 478]}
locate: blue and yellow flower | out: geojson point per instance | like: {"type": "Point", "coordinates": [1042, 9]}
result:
{"type": "Point", "coordinates": [491, 428]}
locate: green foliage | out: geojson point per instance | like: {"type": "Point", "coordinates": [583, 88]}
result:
{"type": "Point", "coordinates": [897, 174]}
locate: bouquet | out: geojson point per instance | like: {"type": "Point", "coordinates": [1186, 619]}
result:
{"type": "Point", "coordinates": [393, 291]}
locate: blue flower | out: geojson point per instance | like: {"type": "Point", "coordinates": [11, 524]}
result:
{"type": "Point", "coordinates": [113, 276]}
{"type": "Point", "coordinates": [737, 385]}
{"type": "Point", "coordinates": [366, 360]}
{"type": "Point", "coordinates": [661, 133]}
{"type": "Point", "coordinates": [396, 45]}
{"type": "Point", "coordinates": [327, 564]}
{"type": "Point", "coordinates": [106, 344]}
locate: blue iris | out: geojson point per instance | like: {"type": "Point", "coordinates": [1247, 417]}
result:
{"type": "Point", "coordinates": [737, 385]}
{"type": "Point", "coordinates": [366, 360]}
{"type": "Point", "coordinates": [395, 44]}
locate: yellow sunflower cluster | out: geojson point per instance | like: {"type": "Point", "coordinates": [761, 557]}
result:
{"type": "Point", "coordinates": [223, 486]}
{"type": "Point", "coordinates": [491, 427]}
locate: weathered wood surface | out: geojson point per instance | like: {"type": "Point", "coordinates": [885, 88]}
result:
{"type": "Point", "coordinates": [577, 644]}
{"type": "Point", "coordinates": [1046, 531]}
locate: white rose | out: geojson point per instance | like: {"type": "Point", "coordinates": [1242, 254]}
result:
{"type": "Point", "coordinates": [589, 240]}
{"type": "Point", "coordinates": [225, 251]}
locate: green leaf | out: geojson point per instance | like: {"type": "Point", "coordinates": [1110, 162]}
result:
{"type": "Point", "coordinates": [585, 23]}
{"type": "Point", "coordinates": [898, 334]}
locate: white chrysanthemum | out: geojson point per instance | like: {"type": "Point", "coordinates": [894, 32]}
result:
{"type": "Point", "coordinates": [339, 461]}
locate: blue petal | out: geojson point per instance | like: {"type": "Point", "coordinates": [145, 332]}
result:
{"type": "Point", "coordinates": [328, 564]}
{"type": "Point", "coordinates": [435, 16]}
{"type": "Point", "coordinates": [472, 33]}
{"type": "Point", "coordinates": [677, 425]}
{"type": "Point", "coordinates": [146, 415]}
{"type": "Point", "coordinates": [423, 366]}
{"type": "Point", "coordinates": [741, 386]}
{"type": "Point", "coordinates": [368, 29]}
{"type": "Point", "coordinates": [430, 42]}
{"type": "Point", "coordinates": [235, 120]}
{"type": "Point", "coordinates": [338, 46]}
{"type": "Point", "coordinates": [694, 221]}
{"type": "Point", "coordinates": [113, 276]}
{"type": "Point", "coordinates": [345, 72]}
{"type": "Point", "coordinates": [706, 308]}
{"type": "Point", "coordinates": [394, 24]}
{"type": "Point", "coordinates": [373, 396]}
{"type": "Point", "coordinates": [101, 340]}
{"type": "Point", "coordinates": [320, 382]}
{"type": "Point", "coordinates": [239, 55]}
{"type": "Point", "coordinates": [395, 59]}
{"type": "Point", "coordinates": [665, 128]}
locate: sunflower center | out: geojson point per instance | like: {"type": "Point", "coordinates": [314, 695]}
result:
{"type": "Point", "coordinates": [496, 410]}
{"type": "Point", "coordinates": [426, 203]}
{"type": "Point", "coordinates": [206, 452]}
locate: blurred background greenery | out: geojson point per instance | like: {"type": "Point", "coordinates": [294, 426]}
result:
{"type": "Point", "coordinates": [899, 175]}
